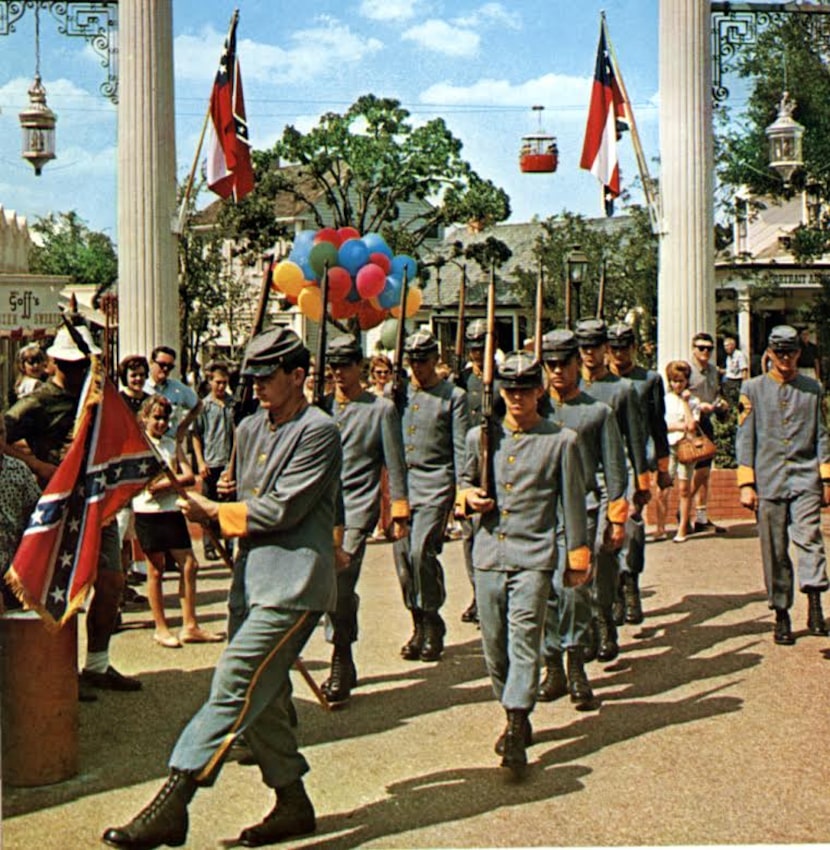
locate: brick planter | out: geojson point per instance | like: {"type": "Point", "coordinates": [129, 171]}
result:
{"type": "Point", "coordinates": [723, 503]}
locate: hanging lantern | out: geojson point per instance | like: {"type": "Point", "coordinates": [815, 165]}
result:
{"type": "Point", "coordinates": [785, 136]}
{"type": "Point", "coordinates": [38, 121]}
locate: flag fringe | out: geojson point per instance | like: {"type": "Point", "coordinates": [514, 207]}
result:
{"type": "Point", "coordinates": [52, 625]}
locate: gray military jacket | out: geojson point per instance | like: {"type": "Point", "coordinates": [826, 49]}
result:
{"type": "Point", "coordinates": [288, 489]}
{"type": "Point", "coordinates": [537, 473]}
{"type": "Point", "coordinates": [781, 445]}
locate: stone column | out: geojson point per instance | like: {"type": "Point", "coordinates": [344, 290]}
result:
{"type": "Point", "coordinates": [148, 297]}
{"type": "Point", "coordinates": [686, 281]}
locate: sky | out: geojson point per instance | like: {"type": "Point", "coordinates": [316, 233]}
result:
{"type": "Point", "coordinates": [480, 65]}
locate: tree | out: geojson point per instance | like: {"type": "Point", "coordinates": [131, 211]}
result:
{"type": "Point", "coordinates": [364, 166]}
{"type": "Point", "coordinates": [69, 247]}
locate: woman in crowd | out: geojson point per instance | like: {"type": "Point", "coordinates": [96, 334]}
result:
{"type": "Point", "coordinates": [132, 372]}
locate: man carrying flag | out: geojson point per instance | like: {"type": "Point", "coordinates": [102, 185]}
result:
{"type": "Point", "coordinates": [607, 117]}
{"type": "Point", "coordinates": [229, 169]}
{"type": "Point", "coordinates": [71, 543]}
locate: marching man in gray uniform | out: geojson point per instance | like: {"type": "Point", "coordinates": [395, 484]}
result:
{"type": "Point", "coordinates": [287, 486]}
{"type": "Point", "coordinates": [783, 456]}
{"type": "Point", "coordinates": [648, 385]}
{"type": "Point", "coordinates": [435, 423]}
{"type": "Point", "coordinates": [619, 394]}
{"type": "Point", "coordinates": [370, 431]}
{"type": "Point", "coordinates": [568, 622]}
{"type": "Point", "coordinates": [537, 472]}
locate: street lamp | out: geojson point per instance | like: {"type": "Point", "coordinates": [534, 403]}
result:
{"type": "Point", "coordinates": [38, 121]}
{"type": "Point", "coordinates": [576, 270]}
{"type": "Point", "coordinates": [785, 136]}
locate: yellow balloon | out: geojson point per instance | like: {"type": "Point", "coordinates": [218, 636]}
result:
{"type": "Point", "coordinates": [414, 297]}
{"type": "Point", "coordinates": [310, 302]}
{"type": "Point", "coordinates": [289, 277]}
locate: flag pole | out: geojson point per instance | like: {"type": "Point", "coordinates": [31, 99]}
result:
{"type": "Point", "coordinates": [192, 176]}
{"type": "Point", "coordinates": [652, 201]}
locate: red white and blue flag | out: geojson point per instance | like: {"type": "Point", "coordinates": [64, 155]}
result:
{"type": "Point", "coordinates": [607, 117]}
{"type": "Point", "coordinates": [108, 462]}
{"type": "Point", "coordinates": [229, 168]}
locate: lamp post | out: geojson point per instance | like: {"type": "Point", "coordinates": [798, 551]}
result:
{"type": "Point", "coordinates": [576, 270]}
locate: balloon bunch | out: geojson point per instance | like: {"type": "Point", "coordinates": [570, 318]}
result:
{"type": "Point", "coordinates": [365, 278]}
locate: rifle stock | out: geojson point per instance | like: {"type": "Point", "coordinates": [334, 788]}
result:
{"type": "Point", "coordinates": [540, 309]}
{"type": "Point", "coordinates": [319, 398]}
{"type": "Point", "coordinates": [399, 379]}
{"type": "Point", "coordinates": [459, 333]}
{"type": "Point", "coordinates": [487, 482]}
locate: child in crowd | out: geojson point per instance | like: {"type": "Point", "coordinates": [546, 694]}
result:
{"type": "Point", "coordinates": [161, 529]}
{"type": "Point", "coordinates": [682, 414]}
{"type": "Point", "coordinates": [31, 366]}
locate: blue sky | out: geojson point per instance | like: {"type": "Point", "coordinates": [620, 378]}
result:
{"type": "Point", "coordinates": [481, 65]}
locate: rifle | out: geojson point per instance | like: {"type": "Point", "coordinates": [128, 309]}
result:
{"type": "Point", "coordinates": [601, 293]}
{"type": "Point", "coordinates": [459, 333]}
{"type": "Point", "coordinates": [319, 398]}
{"type": "Point", "coordinates": [488, 376]}
{"type": "Point", "coordinates": [244, 402]}
{"type": "Point", "coordinates": [399, 378]}
{"type": "Point", "coordinates": [540, 308]}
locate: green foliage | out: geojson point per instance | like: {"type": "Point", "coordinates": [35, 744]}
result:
{"type": "Point", "coordinates": [364, 165]}
{"type": "Point", "coordinates": [71, 248]}
{"type": "Point", "coordinates": [725, 430]}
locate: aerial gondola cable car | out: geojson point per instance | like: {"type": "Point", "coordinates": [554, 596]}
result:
{"type": "Point", "coordinates": [539, 153]}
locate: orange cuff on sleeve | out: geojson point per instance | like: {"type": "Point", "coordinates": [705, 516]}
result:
{"type": "Point", "coordinates": [618, 511]}
{"type": "Point", "coordinates": [644, 481]}
{"type": "Point", "coordinates": [338, 534]}
{"type": "Point", "coordinates": [233, 519]}
{"type": "Point", "coordinates": [663, 464]}
{"type": "Point", "coordinates": [746, 475]}
{"type": "Point", "coordinates": [400, 509]}
{"type": "Point", "coordinates": [579, 559]}
{"type": "Point", "coordinates": [461, 505]}
{"type": "Point", "coordinates": [824, 471]}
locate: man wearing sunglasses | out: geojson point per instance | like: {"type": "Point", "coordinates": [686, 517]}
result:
{"type": "Point", "coordinates": [186, 404]}
{"type": "Point", "coordinates": [704, 383]}
{"type": "Point", "coordinates": [783, 455]}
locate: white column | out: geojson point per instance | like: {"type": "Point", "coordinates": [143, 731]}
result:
{"type": "Point", "coordinates": [147, 264]}
{"type": "Point", "coordinates": [745, 321]}
{"type": "Point", "coordinates": [686, 282]}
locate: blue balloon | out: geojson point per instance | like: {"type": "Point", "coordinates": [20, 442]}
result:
{"type": "Point", "coordinates": [353, 255]}
{"type": "Point", "coordinates": [308, 272]}
{"type": "Point", "coordinates": [391, 294]}
{"type": "Point", "coordinates": [401, 262]}
{"type": "Point", "coordinates": [304, 240]}
{"type": "Point", "coordinates": [377, 244]}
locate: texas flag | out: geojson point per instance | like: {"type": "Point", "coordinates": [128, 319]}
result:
{"type": "Point", "coordinates": [229, 169]}
{"type": "Point", "coordinates": [108, 462]}
{"type": "Point", "coordinates": [607, 116]}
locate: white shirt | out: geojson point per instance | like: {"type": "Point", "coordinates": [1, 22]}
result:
{"type": "Point", "coordinates": [735, 365]}
{"type": "Point", "coordinates": [676, 414]}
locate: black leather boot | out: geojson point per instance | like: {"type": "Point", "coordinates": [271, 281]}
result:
{"type": "Point", "coordinates": [163, 821]}
{"type": "Point", "coordinates": [434, 630]}
{"type": "Point", "coordinates": [470, 614]}
{"type": "Point", "coordinates": [555, 683]}
{"type": "Point", "coordinates": [516, 738]}
{"type": "Point", "coordinates": [815, 616]}
{"type": "Point", "coordinates": [631, 597]}
{"type": "Point", "coordinates": [783, 634]}
{"type": "Point", "coordinates": [293, 815]}
{"type": "Point", "coordinates": [608, 648]}
{"type": "Point", "coordinates": [618, 605]}
{"type": "Point", "coordinates": [343, 676]}
{"type": "Point", "coordinates": [499, 745]}
{"type": "Point", "coordinates": [411, 650]}
{"type": "Point", "coordinates": [580, 689]}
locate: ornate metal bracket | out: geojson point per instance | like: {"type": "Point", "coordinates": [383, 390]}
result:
{"type": "Point", "coordinates": [737, 25]}
{"type": "Point", "coordinates": [96, 22]}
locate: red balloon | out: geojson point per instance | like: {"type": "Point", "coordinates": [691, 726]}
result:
{"type": "Point", "coordinates": [370, 280]}
{"type": "Point", "coordinates": [345, 233]}
{"type": "Point", "coordinates": [369, 317]}
{"type": "Point", "coordinates": [343, 309]}
{"type": "Point", "coordinates": [340, 283]}
{"type": "Point", "coordinates": [328, 234]}
{"type": "Point", "coordinates": [381, 260]}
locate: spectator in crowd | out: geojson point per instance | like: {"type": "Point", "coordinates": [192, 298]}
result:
{"type": "Point", "coordinates": [161, 529]}
{"type": "Point", "coordinates": [809, 362]}
{"type": "Point", "coordinates": [735, 370]}
{"type": "Point", "coordinates": [213, 435]}
{"type": "Point", "coordinates": [186, 404]}
{"type": "Point", "coordinates": [133, 372]}
{"type": "Point", "coordinates": [31, 367]}
{"type": "Point", "coordinates": [380, 384]}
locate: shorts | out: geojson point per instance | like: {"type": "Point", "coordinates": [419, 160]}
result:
{"type": "Point", "coordinates": [162, 532]}
{"type": "Point", "coordinates": [680, 471]}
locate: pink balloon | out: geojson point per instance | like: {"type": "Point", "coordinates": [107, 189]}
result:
{"type": "Point", "coordinates": [345, 233]}
{"type": "Point", "coordinates": [340, 283]}
{"type": "Point", "coordinates": [381, 260]}
{"type": "Point", "coordinates": [328, 234]}
{"type": "Point", "coordinates": [370, 280]}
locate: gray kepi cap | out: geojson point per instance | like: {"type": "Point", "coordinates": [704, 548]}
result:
{"type": "Point", "coordinates": [268, 351]}
{"type": "Point", "coordinates": [591, 332]}
{"type": "Point", "coordinates": [420, 345]}
{"type": "Point", "coordinates": [519, 370]}
{"type": "Point", "coordinates": [476, 334]}
{"type": "Point", "coordinates": [559, 344]}
{"type": "Point", "coordinates": [343, 349]}
{"type": "Point", "coordinates": [621, 335]}
{"type": "Point", "coordinates": [784, 338]}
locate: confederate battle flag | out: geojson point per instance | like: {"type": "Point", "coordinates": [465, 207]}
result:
{"type": "Point", "coordinates": [229, 169]}
{"type": "Point", "coordinates": [108, 462]}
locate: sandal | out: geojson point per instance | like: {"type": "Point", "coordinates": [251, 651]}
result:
{"type": "Point", "coordinates": [168, 641]}
{"type": "Point", "coordinates": [679, 539]}
{"type": "Point", "coordinates": [199, 636]}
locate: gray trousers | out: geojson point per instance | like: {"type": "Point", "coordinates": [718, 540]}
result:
{"type": "Point", "coordinates": [511, 610]}
{"type": "Point", "coordinates": [251, 693]}
{"type": "Point", "coordinates": [341, 625]}
{"type": "Point", "coordinates": [416, 558]}
{"type": "Point", "coordinates": [796, 521]}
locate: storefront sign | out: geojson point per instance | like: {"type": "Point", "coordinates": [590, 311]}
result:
{"type": "Point", "coordinates": [29, 305]}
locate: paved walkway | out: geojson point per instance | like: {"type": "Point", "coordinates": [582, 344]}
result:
{"type": "Point", "coordinates": [707, 732]}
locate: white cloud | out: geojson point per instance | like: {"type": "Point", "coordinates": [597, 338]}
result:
{"type": "Point", "coordinates": [314, 51]}
{"type": "Point", "coordinates": [492, 14]}
{"type": "Point", "coordinates": [388, 10]}
{"type": "Point", "coordinates": [439, 37]}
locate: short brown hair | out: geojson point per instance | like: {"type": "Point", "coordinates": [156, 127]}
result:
{"type": "Point", "coordinates": [677, 369]}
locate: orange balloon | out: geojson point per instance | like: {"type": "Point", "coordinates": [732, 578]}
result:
{"type": "Point", "coordinates": [310, 302]}
{"type": "Point", "coordinates": [414, 297]}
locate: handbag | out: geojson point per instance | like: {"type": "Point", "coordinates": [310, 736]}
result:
{"type": "Point", "coordinates": [692, 448]}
